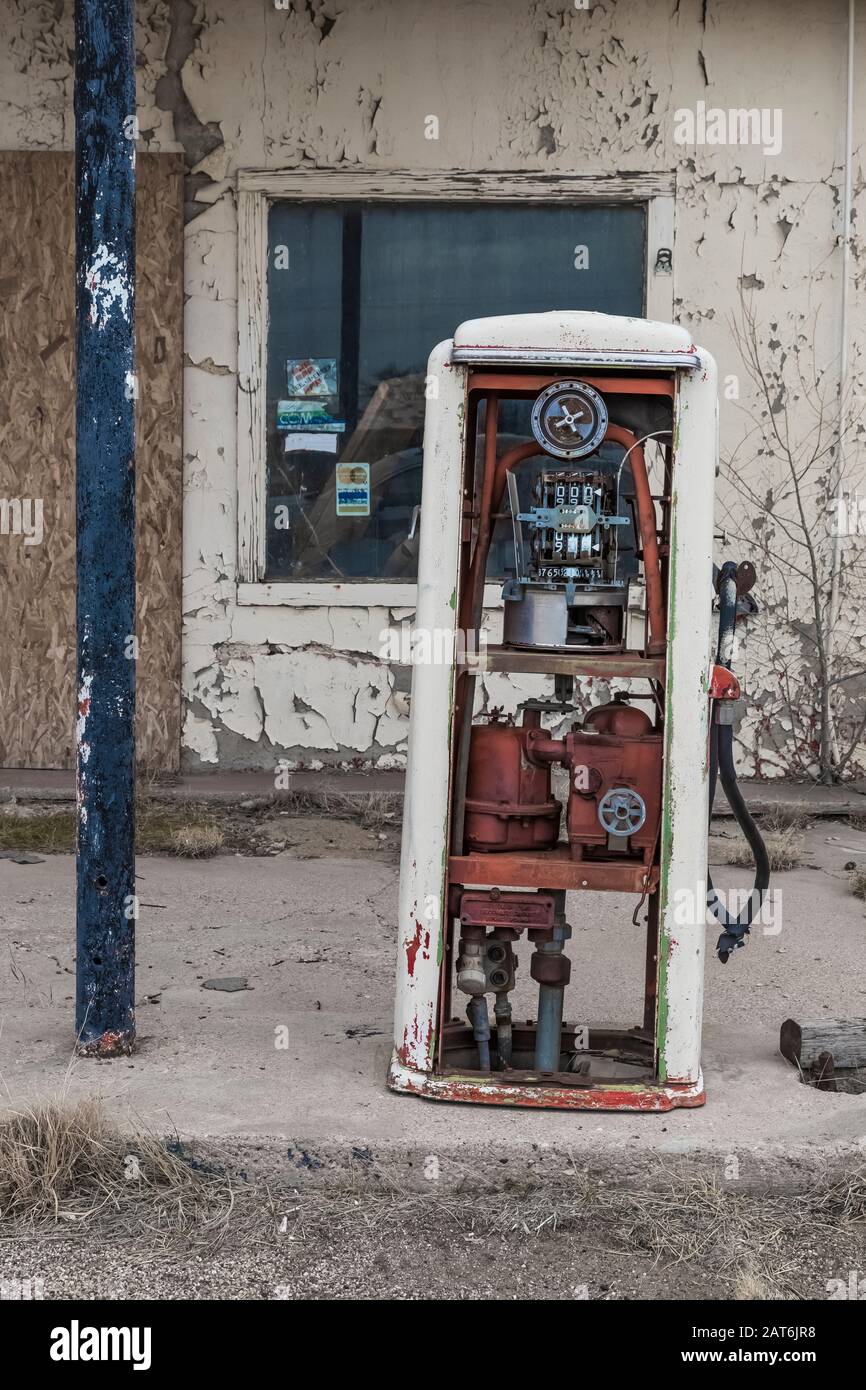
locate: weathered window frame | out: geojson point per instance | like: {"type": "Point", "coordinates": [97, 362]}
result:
{"type": "Point", "coordinates": [257, 189]}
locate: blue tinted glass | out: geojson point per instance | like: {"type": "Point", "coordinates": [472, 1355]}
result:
{"type": "Point", "coordinates": [357, 297]}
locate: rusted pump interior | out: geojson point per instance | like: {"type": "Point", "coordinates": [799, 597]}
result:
{"type": "Point", "coordinates": [567, 794]}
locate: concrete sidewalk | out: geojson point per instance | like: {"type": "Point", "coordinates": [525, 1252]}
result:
{"type": "Point", "coordinates": [315, 939]}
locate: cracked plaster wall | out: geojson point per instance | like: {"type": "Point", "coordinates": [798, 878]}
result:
{"type": "Point", "coordinates": [515, 85]}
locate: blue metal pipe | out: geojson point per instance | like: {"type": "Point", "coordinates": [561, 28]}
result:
{"type": "Point", "coordinates": [548, 1033]}
{"type": "Point", "coordinates": [105, 512]}
{"type": "Point", "coordinates": [548, 1039]}
{"type": "Point", "coordinates": [480, 1020]}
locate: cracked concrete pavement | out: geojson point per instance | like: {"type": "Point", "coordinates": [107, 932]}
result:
{"type": "Point", "coordinates": [295, 1063]}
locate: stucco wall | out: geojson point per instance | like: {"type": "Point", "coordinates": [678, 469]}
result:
{"type": "Point", "coordinates": [515, 85]}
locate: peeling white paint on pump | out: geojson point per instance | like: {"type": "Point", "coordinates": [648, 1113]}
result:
{"type": "Point", "coordinates": [685, 810]}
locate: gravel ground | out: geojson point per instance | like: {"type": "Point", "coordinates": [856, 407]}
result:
{"type": "Point", "coordinates": [677, 1233]}
{"type": "Point", "coordinates": [425, 1256]}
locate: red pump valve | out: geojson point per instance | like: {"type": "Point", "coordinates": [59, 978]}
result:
{"type": "Point", "coordinates": [724, 684]}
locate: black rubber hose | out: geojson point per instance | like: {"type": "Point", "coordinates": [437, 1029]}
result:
{"type": "Point", "coordinates": [736, 928]}
{"type": "Point", "coordinates": [722, 764]}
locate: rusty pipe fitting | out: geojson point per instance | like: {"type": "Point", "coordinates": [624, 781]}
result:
{"type": "Point", "coordinates": [549, 968]}
{"type": "Point", "coordinates": [541, 748]}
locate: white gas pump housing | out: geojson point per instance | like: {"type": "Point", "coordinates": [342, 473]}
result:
{"type": "Point", "coordinates": [592, 441]}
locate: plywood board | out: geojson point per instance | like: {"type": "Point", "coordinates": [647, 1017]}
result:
{"type": "Point", "coordinates": [37, 458]}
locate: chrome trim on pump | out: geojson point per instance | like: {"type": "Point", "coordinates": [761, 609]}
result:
{"type": "Point", "coordinates": [588, 358]}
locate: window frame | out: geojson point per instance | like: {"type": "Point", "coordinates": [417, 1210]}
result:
{"type": "Point", "coordinates": [257, 190]}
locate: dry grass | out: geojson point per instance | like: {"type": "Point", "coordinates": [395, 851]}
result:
{"type": "Point", "coordinates": [750, 1286]}
{"type": "Point", "coordinates": [65, 1162]}
{"type": "Point", "coordinates": [157, 827]}
{"type": "Point", "coordinates": [197, 841]}
{"type": "Point", "coordinates": [380, 809]}
{"type": "Point", "coordinates": [752, 1243]}
{"type": "Point", "coordinates": [193, 831]}
{"type": "Point", "coordinates": [157, 831]}
{"type": "Point", "coordinates": [373, 810]}
{"type": "Point", "coordinates": [783, 818]}
{"type": "Point", "coordinates": [784, 850]}
{"type": "Point", "coordinates": [51, 833]}
{"type": "Point", "coordinates": [858, 883]}
{"type": "Point", "coordinates": [857, 822]}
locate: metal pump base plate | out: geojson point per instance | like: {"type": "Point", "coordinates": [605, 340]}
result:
{"type": "Point", "coordinates": [492, 1090]}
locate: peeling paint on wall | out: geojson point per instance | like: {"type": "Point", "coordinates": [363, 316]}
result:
{"type": "Point", "coordinates": [536, 86]}
{"type": "Point", "coordinates": [198, 138]}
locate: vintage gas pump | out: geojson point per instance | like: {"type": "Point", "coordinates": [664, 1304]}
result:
{"type": "Point", "coordinates": [576, 452]}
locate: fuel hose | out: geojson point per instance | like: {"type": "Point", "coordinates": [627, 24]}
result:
{"type": "Point", "coordinates": [735, 928]}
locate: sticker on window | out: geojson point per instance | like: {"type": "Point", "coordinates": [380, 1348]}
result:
{"type": "Point", "coordinates": [315, 443]}
{"type": "Point", "coordinates": [312, 376]}
{"type": "Point", "coordinates": [308, 414]}
{"type": "Point", "coordinates": [353, 489]}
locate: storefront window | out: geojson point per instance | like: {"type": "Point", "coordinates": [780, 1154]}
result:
{"type": "Point", "coordinates": [358, 295]}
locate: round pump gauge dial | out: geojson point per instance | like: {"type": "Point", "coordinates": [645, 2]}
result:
{"type": "Point", "coordinates": [569, 419]}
